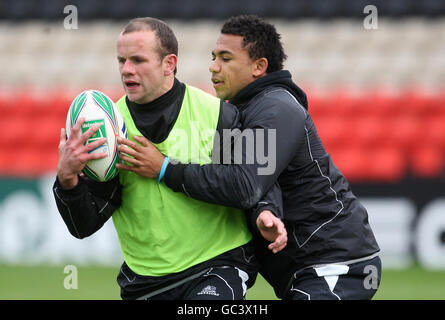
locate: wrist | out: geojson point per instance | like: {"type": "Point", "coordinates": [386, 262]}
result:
{"type": "Point", "coordinates": [163, 168]}
{"type": "Point", "coordinates": [68, 182]}
{"type": "Point", "coordinates": [174, 176]}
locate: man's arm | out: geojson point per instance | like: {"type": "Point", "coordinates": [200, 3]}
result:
{"type": "Point", "coordinates": [272, 201]}
{"type": "Point", "coordinates": [280, 125]}
{"type": "Point", "coordinates": [275, 129]}
{"type": "Point", "coordinates": [265, 219]}
{"type": "Point", "coordinates": [87, 206]}
{"type": "Point", "coordinates": [84, 205]}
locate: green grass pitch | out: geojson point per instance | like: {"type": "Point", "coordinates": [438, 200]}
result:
{"type": "Point", "coordinates": [99, 283]}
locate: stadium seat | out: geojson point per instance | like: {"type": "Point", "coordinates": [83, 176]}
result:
{"type": "Point", "coordinates": [423, 104]}
{"type": "Point", "coordinates": [375, 89]}
{"type": "Point", "coordinates": [14, 164]}
{"type": "Point", "coordinates": [386, 104]}
{"type": "Point", "coordinates": [28, 163]}
{"type": "Point", "coordinates": [352, 162]}
{"type": "Point", "coordinates": [320, 105]}
{"type": "Point", "coordinates": [46, 132]}
{"type": "Point", "coordinates": [15, 133]}
{"type": "Point", "coordinates": [433, 131]}
{"type": "Point", "coordinates": [339, 53]}
{"type": "Point", "coordinates": [59, 103]}
{"type": "Point", "coordinates": [405, 131]}
{"type": "Point", "coordinates": [427, 162]}
{"type": "Point", "coordinates": [7, 107]}
{"type": "Point", "coordinates": [386, 164]}
{"type": "Point", "coordinates": [333, 131]}
{"type": "Point", "coordinates": [368, 131]}
{"type": "Point", "coordinates": [352, 105]}
{"type": "Point", "coordinates": [5, 159]}
{"type": "Point", "coordinates": [28, 103]}
{"type": "Point", "coordinates": [46, 161]}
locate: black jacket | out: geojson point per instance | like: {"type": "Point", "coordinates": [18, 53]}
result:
{"type": "Point", "coordinates": [325, 222]}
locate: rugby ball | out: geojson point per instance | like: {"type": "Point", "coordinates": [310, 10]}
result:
{"type": "Point", "coordinates": [97, 107]}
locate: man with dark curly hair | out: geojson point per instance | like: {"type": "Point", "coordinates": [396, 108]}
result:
{"type": "Point", "coordinates": [331, 251]}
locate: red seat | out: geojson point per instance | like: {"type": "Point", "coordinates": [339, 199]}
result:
{"type": "Point", "coordinates": [14, 133]}
{"type": "Point", "coordinates": [352, 105]}
{"type": "Point", "coordinates": [60, 103]}
{"type": "Point", "coordinates": [46, 161]}
{"type": "Point", "coordinates": [385, 104]}
{"type": "Point", "coordinates": [424, 104]}
{"type": "Point", "coordinates": [405, 131]}
{"type": "Point", "coordinates": [427, 162]}
{"type": "Point", "coordinates": [387, 164]}
{"type": "Point", "coordinates": [333, 131]}
{"type": "Point", "coordinates": [27, 104]}
{"type": "Point", "coordinates": [433, 131]}
{"type": "Point", "coordinates": [320, 106]}
{"type": "Point", "coordinates": [368, 131]}
{"type": "Point", "coordinates": [352, 162]}
{"type": "Point", "coordinates": [47, 132]}
{"type": "Point", "coordinates": [30, 163]}
{"type": "Point", "coordinates": [14, 164]}
{"type": "Point", "coordinates": [384, 164]}
{"type": "Point", "coordinates": [5, 160]}
{"type": "Point", "coordinates": [6, 105]}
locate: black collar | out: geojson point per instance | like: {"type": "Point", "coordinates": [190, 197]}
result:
{"type": "Point", "coordinates": [156, 118]}
{"type": "Point", "coordinates": [159, 103]}
{"type": "Point", "coordinates": [281, 78]}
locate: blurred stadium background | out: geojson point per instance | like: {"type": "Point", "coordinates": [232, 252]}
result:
{"type": "Point", "coordinates": [377, 97]}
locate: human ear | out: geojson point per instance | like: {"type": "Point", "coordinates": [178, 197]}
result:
{"type": "Point", "coordinates": [170, 62]}
{"type": "Point", "coordinates": [260, 67]}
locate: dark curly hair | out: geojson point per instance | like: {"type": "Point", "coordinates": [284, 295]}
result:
{"type": "Point", "coordinates": [259, 37]}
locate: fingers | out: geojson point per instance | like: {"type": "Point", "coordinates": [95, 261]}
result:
{"type": "Point", "coordinates": [95, 156]}
{"type": "Point", "coordinates": [279, 244]}
{"type": "Point", "coordinates": [129, 143]}
{"type": "Point", "coordinates": [87, 153]}
{"type": "Point", "coordinates": [280, 236]}
{"type": "Point", "coordinates": [265, 219]}
{"type": "Point", "coordinates": [94, 145]}
{"type": "Point", "coordinates": [62, 135]}
{"type": "Point", "coordinates": [133, 161]}
{"type": "Point", "coordinates": [76, 128]}
{"type": "Point", "coordinates": [89, 133]}
{"type": "Point", "coordinates": [281, 241]}
{"type": "Point", "coordinates": [142, 140]}
{"type": "Point", "coordinates": [62, 139]}
{"type": "Point", "coordinates": [129, 148]}
{"type": "Point", "coordinates": [122, 166]}
{"type": "Point", "coordinates": [124, 150]}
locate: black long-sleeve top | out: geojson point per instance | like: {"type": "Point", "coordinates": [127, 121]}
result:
{"type": "Point", "coordinates": [325, 222]}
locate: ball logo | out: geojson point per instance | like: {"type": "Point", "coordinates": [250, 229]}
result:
{"type": "Point", "coordinates": [101, 133]}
